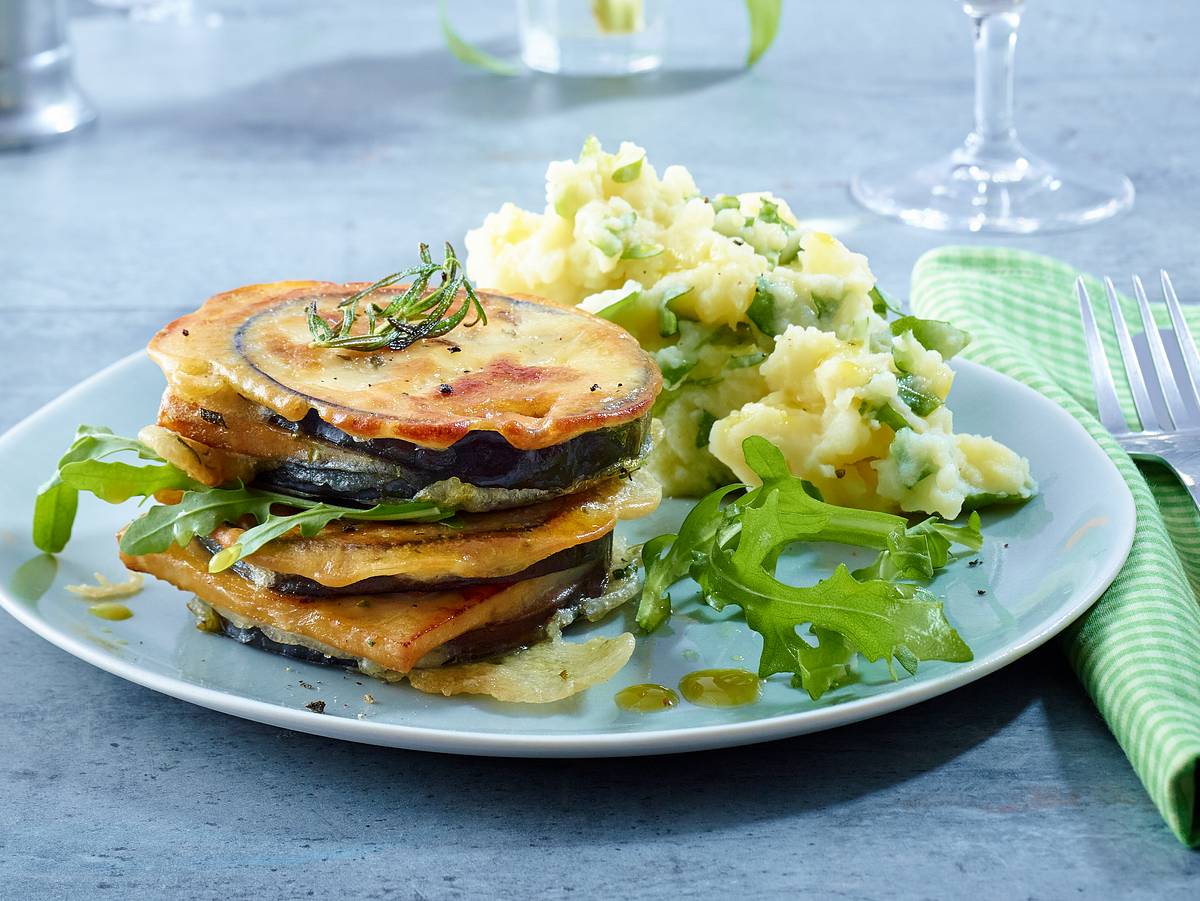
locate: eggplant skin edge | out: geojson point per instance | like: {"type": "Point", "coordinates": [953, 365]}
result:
{"type": "Point", "coordinates": [480, 472]}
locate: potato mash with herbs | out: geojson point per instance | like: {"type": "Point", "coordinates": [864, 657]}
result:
{"type": "Point", "coordinates": [759, 327]}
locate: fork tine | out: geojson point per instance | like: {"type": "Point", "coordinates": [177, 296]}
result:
{"type": "Point", "coordinates": [1183, 334]}
{"type": "Point", "coordinates": [1133, 369]}
{"type": "Point", "coordinates": [1161, 370]}
{"type": "Point", "coordinates": [1109, 407]}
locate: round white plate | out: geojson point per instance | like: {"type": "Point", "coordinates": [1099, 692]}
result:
{"type": "Point", "coordinates": [1042, 566]}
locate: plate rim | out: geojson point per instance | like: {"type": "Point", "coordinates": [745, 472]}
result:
{"type": "Point", "coordinates": [613, 744]}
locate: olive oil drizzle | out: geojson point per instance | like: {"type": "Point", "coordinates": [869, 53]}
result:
{"type": "Point", "coordinates": [646, 698]}
{"type": "Point", "coordinates": [110, 610]}
{"type": "Point", "coordinates": [720, 687]}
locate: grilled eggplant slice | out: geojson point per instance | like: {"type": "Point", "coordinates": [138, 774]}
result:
{"type": "Point", "coordinates": [477, 644]}
{"type": "Point", "coordinates": [393, 632]}
{"type": "Point", "coordinates": [485, 548]}
{"type": "Point", "coordinates": [536, 376]}
{"type": "Point", "coordinates": [598, 551]}
{"type": "Point", "coordinates": [312, 459]}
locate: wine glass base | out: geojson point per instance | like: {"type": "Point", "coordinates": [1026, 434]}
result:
{"type": "Point", "coordinates": [1018, 194]}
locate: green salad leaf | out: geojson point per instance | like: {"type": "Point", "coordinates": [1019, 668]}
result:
{"type": "Point", "coordinates": [312, 519]}
{"type": "Point", "coordinates": [201, 509]}
{"type": "Point", "coordinates": [668, 558]}
{"type": "Point", "coordinates": [198, 513]}
{"type": "Point", "coordinates": [85, 467]}
{"type": "Point", "coordinates": [54, 515]}
{"type": "Point", "coordinates": [731, 545]}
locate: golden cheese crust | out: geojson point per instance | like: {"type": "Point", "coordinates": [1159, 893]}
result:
{"type": "Point", "coordinates": [393, 631]}
{"type": "Point", "coordinates": [537, 374]}
{"type": "Point", "coordinates": [484, 546]}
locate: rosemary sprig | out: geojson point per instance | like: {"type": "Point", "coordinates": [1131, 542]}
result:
{"type": "Point", "coordinates": [409, 316]}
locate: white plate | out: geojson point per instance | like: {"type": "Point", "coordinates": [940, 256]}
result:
{"type": "Point", "coordinates": [1043, 565]}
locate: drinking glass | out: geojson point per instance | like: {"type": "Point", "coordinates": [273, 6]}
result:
{"type": "Point", "coordinates": [992, 183]}
{"type": "Point", "coordinates": [39, 99]}
{"type": "Point", "coordinates": [599, 38]}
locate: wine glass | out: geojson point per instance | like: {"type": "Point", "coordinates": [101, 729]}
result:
{"type": "Point", "coordinates": [992, 183]}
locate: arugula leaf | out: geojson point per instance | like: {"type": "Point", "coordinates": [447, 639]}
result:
{"type": "Point", "coordinates": [880, 619]}
{"type": "Point", "coordinates": [663, 570]}
{"type": "Point", "coordinates": [824, 665]}
{"type": "Point", "coordinates": [310, 522]}
{"type": "Point", "coordinates": [54, 515]}
{"type": "Point", "coordinates": [200, 512]}
{"type": "Point", "coordinates": [933, 334]}
{"type": "Point", "coordinates": [84, 468]}
{"type": "Point", "coordinates": [732, 549]}
{"type": "Point", "coordinates": [805, 518]}
{"type": "Point", "coordinates": [117, 482]}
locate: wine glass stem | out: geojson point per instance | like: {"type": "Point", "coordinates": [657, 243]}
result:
{"type": "Point", "coordinates": [995, 45]}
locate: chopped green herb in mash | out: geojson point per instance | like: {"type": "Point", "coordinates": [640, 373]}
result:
{"type": "Point", "coordinates": [760, 326]}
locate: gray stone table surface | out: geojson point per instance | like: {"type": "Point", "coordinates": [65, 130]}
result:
{"type": "Point", "coordinates": [308, 139]}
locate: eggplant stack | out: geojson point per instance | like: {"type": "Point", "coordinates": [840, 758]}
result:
{"type": "Point", "coordinates": [530, 426]}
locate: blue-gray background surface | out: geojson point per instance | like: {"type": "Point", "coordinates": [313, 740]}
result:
{"type": "Point", "coordinates": [324, 140]}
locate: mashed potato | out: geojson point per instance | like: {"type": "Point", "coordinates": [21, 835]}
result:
{"type": "Point", "coordinates": [760, 328]}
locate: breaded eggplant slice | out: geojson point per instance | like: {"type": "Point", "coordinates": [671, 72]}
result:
{"type": "Point", "coordinates": [541, 401]}
{"type": "Point", "coordinates": [350, 557]}
{"type": "Point", "coordinates": [393, 632]}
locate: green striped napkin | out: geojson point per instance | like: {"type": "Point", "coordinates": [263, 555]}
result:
{"type": "Point", "coordinates": [1137, 651]}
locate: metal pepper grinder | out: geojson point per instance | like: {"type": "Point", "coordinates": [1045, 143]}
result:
{"type": "Point", "coordinates": [39, 100]}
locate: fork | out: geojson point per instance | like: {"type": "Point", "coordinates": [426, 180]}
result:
{"type": "Point", "coordinates": [1172, 439]}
